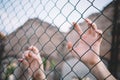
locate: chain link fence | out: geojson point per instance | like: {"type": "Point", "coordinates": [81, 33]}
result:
{"type": "Point", "coordinates": [47, 24]}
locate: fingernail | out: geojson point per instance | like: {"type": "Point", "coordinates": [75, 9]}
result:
{"type": "Point", "coordinates": [20, 60]}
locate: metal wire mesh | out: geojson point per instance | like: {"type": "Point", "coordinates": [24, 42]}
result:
{"type": "Point", "coordinates": [43, 23]}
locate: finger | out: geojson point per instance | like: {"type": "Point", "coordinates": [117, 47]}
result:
{"type": "Point", "coordinates": [35, 57]}
{"type": "Point", "coordinates": [99, 32]}
{"type": "Point", "coordinates": [91, 24]}
{"type": "Point", "coordinates": [69, 45]}
{"type": "Point", "coordinates": [77, 27]}
{"type": "Point", "coordinates": [24, 62]}
{"type": "Point", "coordinates": [27, 55]}
{"type": "Point", "coordinates": [92, 27]}
{"type": "Point", "coordinates": [34, 49]}
{"type": "Point", "coordinates": [20, 60]}
{"type": "Point", "coordinates": [32, 56]}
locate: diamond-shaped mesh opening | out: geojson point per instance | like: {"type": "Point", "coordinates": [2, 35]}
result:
{"type": "Point", "coordinates": [48, 25]}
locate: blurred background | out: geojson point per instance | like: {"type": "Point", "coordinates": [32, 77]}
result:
{"type": "Point", "coordinates": [47, 24]}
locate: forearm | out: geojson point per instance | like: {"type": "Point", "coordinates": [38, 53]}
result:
{"type": "Point", "coordinates": [101, 72]}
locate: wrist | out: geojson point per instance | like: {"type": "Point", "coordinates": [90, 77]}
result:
{"type": "Point", "coordinates": [101, 72]}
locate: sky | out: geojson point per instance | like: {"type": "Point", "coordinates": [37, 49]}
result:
{"type": "Point", "coordinates": [60, 13]}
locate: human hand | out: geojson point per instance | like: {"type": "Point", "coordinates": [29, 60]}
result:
{"type": "Point", "coordinates": [88, 46]}
{"type": "Point", "coordinates": [32, 61]}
